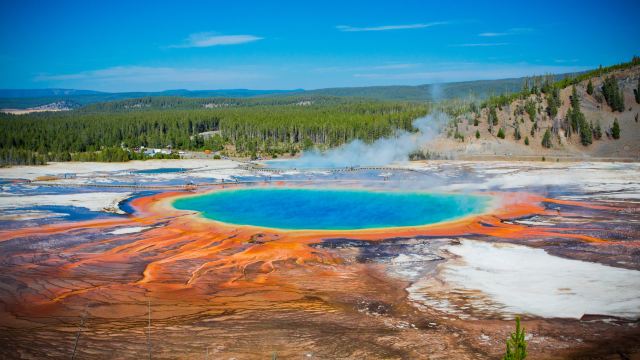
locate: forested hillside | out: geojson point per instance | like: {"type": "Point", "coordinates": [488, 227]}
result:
{"type": "Point", "coordinates": [476, 90]}
{"type": "Point", "coordinates": [238, 127]}
{"type": "Point", "coordinates": [593, 114]}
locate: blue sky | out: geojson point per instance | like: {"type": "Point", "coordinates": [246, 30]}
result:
{"type": "Point", "coordinates": [158, 45]}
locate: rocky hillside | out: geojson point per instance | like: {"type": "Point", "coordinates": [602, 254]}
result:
{"type": "Point", "coordinates": [516, 127]}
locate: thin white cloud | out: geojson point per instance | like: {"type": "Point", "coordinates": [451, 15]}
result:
{"type": "Point", "coordinates": [480, 44]}
{"type": "Point", "coordinates": [512, 31]}
{"type": "Point", "coordinates": [492, 34]}
{"type": "Point", "coordinates": [347, 28]}
{"type": "Point", "coordinates": [207, 39]}
{"type": "Point", "coordinates": [125, 78]}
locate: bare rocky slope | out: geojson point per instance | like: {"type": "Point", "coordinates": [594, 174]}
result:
{"type": "Point", "coordinates": [563, 147]}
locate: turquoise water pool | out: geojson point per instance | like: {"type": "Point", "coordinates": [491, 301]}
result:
{"type": "Point", "coordinates": [160, 171]}
{"type": "Point", "coordinates": [331, 209]}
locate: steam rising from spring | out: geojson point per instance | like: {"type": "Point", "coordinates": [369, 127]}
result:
{"type": "Point", "coordinates": [383, 151]}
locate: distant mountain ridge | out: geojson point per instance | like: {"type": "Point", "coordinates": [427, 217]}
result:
{"type": "Point", "coordinates": [480, 89]}
{"type": "Point", "coordinates": [29, 98]}
{"type": "Point", "coordinates": [38, 93]}
{"type": "Point", "coordinates": [32, 93]}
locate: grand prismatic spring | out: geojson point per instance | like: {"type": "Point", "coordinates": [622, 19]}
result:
{"type": "Point", "coordinates": [218, 260]}
{"type": "Point", "coordinates": [331, 209]}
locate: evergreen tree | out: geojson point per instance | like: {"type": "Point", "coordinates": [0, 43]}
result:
{"type": "Point", "coordinates": [578, 121]}
{"type": "Point", "coordinates": [586, 136]}
{"type": "Point", "coordinates": [457, 135]}
{"type": "Point", "coordinates": [573, 119]}
{"type": "Point", "coordinates": [597, 131]}
{"type": "Point", "coordinates": [526, 140]}
{"type": "Point", "coordinates": [615, 129]}
{"type": "Point", "coordinates": [477, 134]}
{"type": "Point", "coordinates": [612, 94]}
{"type": "Point", "coordinates": [553, 101]}
{"type": "Point", "coordinates": [501, 133]}
{"type": "Point", "coordinates": [566, 124]}
{"type": "Point", "coordinates": [493, 117]}
{"type": "Point", "coordinates": [546, 139]}
{"type": "Point", "coordinates": [636, 92]}
{"type": "Point", "coordinates": [530, 108]}
{"type": "Point", "coordinates": [590, 87]}
{"type": "Point", "coordinates": [575, 100]}
{"type": "Point", "coordinates": [516, 344]}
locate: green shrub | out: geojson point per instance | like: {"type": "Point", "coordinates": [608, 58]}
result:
{"type": "Point", "coordinates": [516, 344]}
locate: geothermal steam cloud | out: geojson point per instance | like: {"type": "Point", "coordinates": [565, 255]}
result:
{"type": "Point", "coordinates": [382, 151]}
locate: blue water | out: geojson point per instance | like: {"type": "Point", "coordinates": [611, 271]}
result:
{"type": "Point", "coordinates": [160, 171]}
{"type": "Point", "coordinates": [126, 206]}
{"type": "Point", "coordinates": [331, 209]}
{"type": "Point", "coordinates": [73, 213]}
